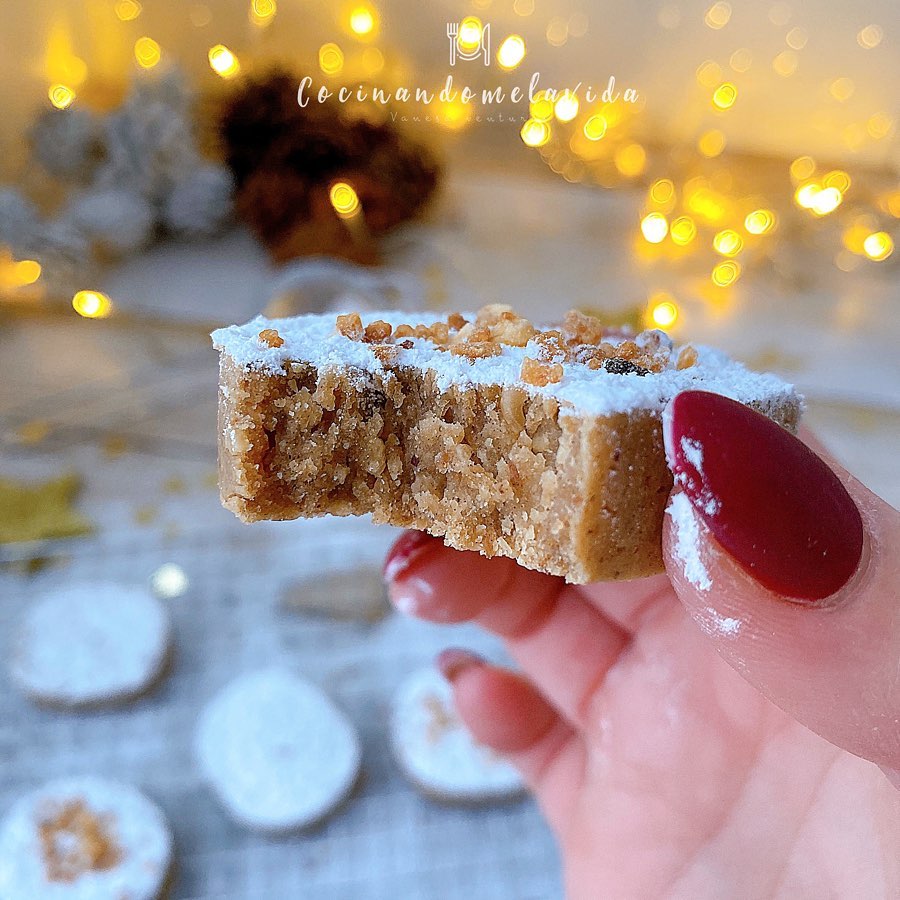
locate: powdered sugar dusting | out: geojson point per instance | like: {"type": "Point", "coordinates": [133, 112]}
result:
{"type": "Point", "coordinates": [725, 625]}
{"type": "Point", "coordinates": [687, 541]}
{"type": "Point", "coordinates": [314, 339]}
{"type": "Point", "coordinates": [693, 453]}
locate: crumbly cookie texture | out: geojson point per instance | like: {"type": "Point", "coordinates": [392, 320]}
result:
{"type": "Point", "coordinates": [541, 444]}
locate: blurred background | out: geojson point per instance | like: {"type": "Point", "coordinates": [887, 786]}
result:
{"type": "Point", "coordinates": [737, 184]}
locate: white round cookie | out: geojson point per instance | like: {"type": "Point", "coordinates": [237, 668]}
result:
{"type": "Point", "coordinates": [84, 838]}
{"type": "Point", "coordinates": [435, 750]}
{"type": "Point", "coordinates": [277, 752]}
{"type": "Point", "coordinates": [91, 643]}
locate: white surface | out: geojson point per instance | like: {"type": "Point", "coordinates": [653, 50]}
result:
{"type": "Point", "coordinates": [436, 752]}
{"type": "Point", "coordinates": [90, 643]}
{"type": "Point", "coordinates": [279, 754]}
{"type": "Point", "coordinates": [136, 825]}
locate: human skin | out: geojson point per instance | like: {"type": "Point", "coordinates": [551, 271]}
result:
{"type": "Point", "coordinates": [688, 742]}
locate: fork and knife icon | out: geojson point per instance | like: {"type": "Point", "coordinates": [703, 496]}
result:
{"type": "Point", "coordinates": [482, 48]}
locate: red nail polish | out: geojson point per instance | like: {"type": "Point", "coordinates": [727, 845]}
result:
{"type": "Point", "coordinates": [768, 500]}
{"type": "Point", "coordinates": [409, 546]}
{"type": "Point", "coordinates": [452, 661]}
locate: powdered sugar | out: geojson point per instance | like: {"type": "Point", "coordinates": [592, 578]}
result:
{"type": "Point", "coordinates": [687, 541]}
{"type": "Point", "coordinates": [314, 339]}
{"type": "Point", "coordinates": [724, 625]}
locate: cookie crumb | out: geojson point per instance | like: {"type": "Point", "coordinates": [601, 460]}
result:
{"type": "Point", "coordinates": [540, 374]}
{"type": "Point", "coordinates": [271, 338]}
{"type": "Point", "coordinates": [74, 841]}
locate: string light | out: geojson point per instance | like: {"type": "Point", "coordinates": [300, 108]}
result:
{"type": "Point", "coordinates": [838, 180]}
{"type": "Point", "coordinates": [726, 273]}
{"type": "Point", "coordinates": [541, 107]}
{"type": "Point", "coordinates": [535, 133]}
{"type": "Point", "coordinates": [724, 96]}
{"type": "Point", "coordinates": [363, 21]}
{"type": "Point", "coordinates": [718, 15]}
{"type": "Point", "coordinates": [223, 62]}
{"type": "Point", "coordinates": [566, 107]}
{"type": "Point", "coordinates": [879, 126]}
{"type": "Point", "coordinates": [557, 32]}
{"type": "Point", "coordinates": [760, 221]}
{"type": "Point", "coordinates": [523, 7]}
{"type": "Point", "coordinates": [683, 231]}
{"type": "Point", "coordinates": [61, 96]}
{"type": "Point", "coordinates": [454, 115]}
{"type": "Point", "coordinates": [331, 59]}
{"type": "Point", "coordinates": [595, 127]}
{"type": "Point", "coordinates": [796, 39]}
{"type": "Point", "coordinates": [728, 242]}
{"type": "Point", "coordinates": [826, 201]}
{"type": "Point", "coordinates": [92, 304]}
{"type": "Point", "coordinates": [785, 64]}
{"type": "Point", "coordinates": [128, 10]}
{"type": "Point", "coordinates": [372, 60]}
{"type": "Point", "coordinates": [711, 143]}
{"type": "Point", "coordinates": [869, 37]}
{"type": "Point", "coordinates": [841, 89]}
{"type": "Point", "coordinates": [262, 12]}
{"type": "Point", "coordinates": [741, 60]}
{"type": "Point", "coordinates": [469, 35]}
{"type": "Point", "coordinates": [344, 199]}
{"type": "Point", "coordinates": [662, 192]}
{"type": "Point", "coordinates": [511, 52]}
{"type": "Point", "coordinates": [709, 74]}
{"type": "Point", "coordinates": [147, 52]}
{"type": "Point", "coordinates": [630, 160]}
{"type": "Point", "coordinates": [663, 310]}
{"type": "Point", "coordinates": [878, 246]}
{"type": "Point", "coordinates": [654, 227]}
{"type": "Point", "coordinates": [805, 195]}
{"type": "Point", "coordinates": [803, 167]}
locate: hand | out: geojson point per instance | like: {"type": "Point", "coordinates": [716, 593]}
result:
{"type": "Point", "coordinates": [666, 726]}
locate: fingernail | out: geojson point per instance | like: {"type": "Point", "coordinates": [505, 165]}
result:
{"type": "Point", "coordinates": [410, 546]}
{"type": "Point", "coordinates": [453, 661]}
{"type": "Point", "coordinates": [774, 506]}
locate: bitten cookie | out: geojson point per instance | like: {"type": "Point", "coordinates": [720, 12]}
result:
{"type": "Point", "coordinates": [436, 752]}
{"type": "Point", "coordinates": [91, 644]}
{"type": "Point", "coordinates": [84, 838]}
{"type": "Point", "coordinates": [544, 445]}
{"type": "Point", "coordinates": [276, 751]}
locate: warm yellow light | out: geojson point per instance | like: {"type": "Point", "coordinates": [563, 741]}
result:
{"type": "Point", "coordinates": [728, 242]}
{"type": "Point", "coordinates": [683, 231]}
{"type": "Point", "coordinates": [454, 115]}
{"type": "Point", "coordinates": [878, 246]}
{"type": "Point", "coordinates": [25, 272]}
{"type": "Point", "coordinates": [654, 227]}
{"type": "Point", "coordinates": [372, 60]}
{"type": "Point", "coordinates": [785, 64]}
{"type": "Point", "coordinates": [662, 191]}
{"type": "Point", "coordinates": [892, 203]}
{"type": "Point", "coordinates": [595, 127]}
{"type": "Point", "coordinates": [147, 52]}
{"type": "Point", "coordinates": [741, 60]}
{"type": "Point", "coordinates": [92, 304]}
{"type": "Point", "coordinates": [724, 96]}
{"type": "Point", "coordinates": [331, 59]}
{"type": "Point", "coordinates": [796, 39]}
{"type": "Point", "coordinates": [223, 62]}
{"type": "Point", "coordinates": [557, 31]}
{"type": "Point", "coordinates": [535, 133]}
{"type": "Point", "coordinates": [128, 10]}
{"type": "Point", "coordinates": [717, 15]}
{"type": "Point", "coordinates": [841, 89]}
{"type": "Point", "coordinates": [826, 201]}
{"type": "Point", "coordinates": [663, 310]}
{"type": "Point", "coordinates": [61, 96]}
{"type": "Point", "coordinates": [837, 179]}
{"type": "Point", "coordinates": [541, 107]}
{"type": "Point", "coordinates": [523, 7]}
{"type": "Point", "coordinates": [726, 273]}
{"type": "Point", "coordinates": [708, 204]}
{"type": "Point", "coordinates": [630, 160]}
{"type": "Point", "coordinates": [805, 195]}
{"type": "Point", "coordinates": [803, 167]}
{"type": "Point", "coordinates": [711, 143]}
{"type": "Point", "coordinates": [709, 74]}
{"type": "Point", "coordinates": [760, 221]}
{"type": "Point", "coordinates": [566, 107]}
{"type": "Point", "coordinates": [469, 35]}
{"type": "Point", "coordinates": [879, 126]}
{"type": "Point", "coordinates": [855, 236]}
{"type": "Point", "coordinates": [363, 20]}
{"type": "Point", "coordinates": [262, 12]}
{"type": "Point", "coordinates": [344, 199]}
{"type": "Point", "coordinates": [511, 52]}
{"type": "Point", "coordinates": [870, 37]}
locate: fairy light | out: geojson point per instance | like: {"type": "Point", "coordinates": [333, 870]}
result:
{"type": "Point", "coordinates": [841, 89]}
{"type": "Point", "coordinates": [331, 59]}
{"type": "Point", "coordinates": [92, 304]}
{"type": "Point", "coordinates": [363, 21]}
{"type": "Point", "coordinates": [454, 115]}
{"type": "Point", "coordinates": [26, 271]}
{"type": "Point", "coordinates": [711, 143]}
{"type": "Point", "coordinates": [760, 221]}
{"type": "Point", "coordinates": [557, 32]}
{"type": "Point", "coordinates": [630, 160]}
{"type": "Point", "coordinates": [728, 242]}
{"type": "Point", "coordinates": [803, 167]}
{"type": "Point", "coordinates": [61, 96]}
{"type": "Point", "coordinates": [854, 237]}
{"type": "Point", "coordinates": [892, 203]}
{"type": "Point", "coordinates": [654, 227]}
{"type": "Point", "coordinates": [786, 63]}
{"type": "Point", "coordinates": [837, 179]}
{"type": "Point", "coordinates": [724, 96]}
{"type": "Point", "coordinates": [682, 231]}
{"type": "Point", "coordinates": [566, 107]}
{"type": "Point", "coordinates": [511, 52]}
{"type": "Point", "coordinates": [878, 246]}
{"type": "Point", "coordinates": [541, 107]}
{"type": "Point", "coordinates": [470, 32]}
{"type": "Point", "coordinates": [128, 10]}
{"type": "Point", "coordinates": [879, 126]}
{"type": "Point", "coordinates": [535, 133]}
{"type": "Point", "coordinates": [262, 12]}
{"type": "Point", "coordinates": [826, 201]}
{"type": "Point", "coordinates": [805, 195]}
{"type": "Point", "coordinates": [147, 52]}
{"type": "Point", "coordinates": [372, 60]}
{"type": "Point", "coordinates": [523, 8]}
{"type": "Point", "coordinates": [796, 39]}
{"type": "Point", "coordinates": [595, 127]}
{"type": "Point", "coordinates": [709, 74]}
{"type": "Point", "coordinates": [718, 15]}
{"type": "Point", "coordinates": [741, 60]}
{"type": "Point", "coordinates": [870, 37]}
{"type": "Point", "coordinates": [662, 192]}
{"type": "Point", "coordinates": [780, 14]}
{"type": "Point", "coordinates": [662, 311]}
{"type": "Point", "coordinates": [726, 273]}
{"type": "Point", "coordinates": [223, 62]}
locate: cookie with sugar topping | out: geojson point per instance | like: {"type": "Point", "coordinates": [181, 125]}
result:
{"type": "Point", "coordinates": [435, 751]}
{"type": "Point", "coordinates": [84, 838]}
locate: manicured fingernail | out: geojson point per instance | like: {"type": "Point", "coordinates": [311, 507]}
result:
{"type": "Point", "coordinates": [453, 661]}
{"type": "Point", "coordinates": [774, 506]}
{"type": "Point", "coordinates": [410, 546]}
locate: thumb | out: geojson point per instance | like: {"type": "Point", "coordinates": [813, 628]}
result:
{"type": "Point", "coordinates": [793, 568]}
